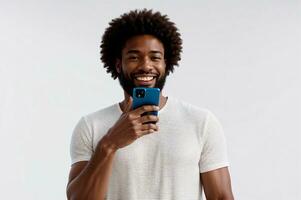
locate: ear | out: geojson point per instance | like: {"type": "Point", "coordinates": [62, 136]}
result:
{"type": "Point", "coordinates": [118, 65]}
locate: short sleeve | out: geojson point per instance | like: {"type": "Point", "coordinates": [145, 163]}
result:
{"type": "Point", "coordinates": [81, 147]}
{"type": "Point", "coordinates": [214, 151]}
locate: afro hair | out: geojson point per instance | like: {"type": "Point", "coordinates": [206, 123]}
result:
{"type": "Point", "coordinates": [140, 22]}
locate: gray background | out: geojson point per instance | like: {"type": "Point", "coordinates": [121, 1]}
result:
{"type": "Point", "coordinates": [241, 60]}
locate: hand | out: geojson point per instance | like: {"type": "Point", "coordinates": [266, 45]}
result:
{"type": "Point", "coordinates": [131, 125]}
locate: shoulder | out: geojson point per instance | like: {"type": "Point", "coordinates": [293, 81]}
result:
{"type": "Point", "coordinates": [103, 115]}
{"type": "Point", "coordinates": [199, 118]}
{"type": "Point", "coordinates": [189, 110]}
{"type": "Point", "coordinates": [194, 113]}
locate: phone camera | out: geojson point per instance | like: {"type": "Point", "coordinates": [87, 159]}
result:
{"type": "Point", "coordinates": [140, 93]}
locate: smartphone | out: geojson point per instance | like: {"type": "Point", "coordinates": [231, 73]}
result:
{"type": "Point", "coordinates": [146, 96]}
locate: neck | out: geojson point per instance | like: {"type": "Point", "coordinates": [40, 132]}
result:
{"type": "Point", "coordinates": [162, 101]}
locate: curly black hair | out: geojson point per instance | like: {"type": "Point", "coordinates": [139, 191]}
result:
{"type": "Point", "coordinates": [140, 22]}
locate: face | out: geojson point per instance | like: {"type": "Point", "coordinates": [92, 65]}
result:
{"type": "Point", "coordinates": [142, 63]}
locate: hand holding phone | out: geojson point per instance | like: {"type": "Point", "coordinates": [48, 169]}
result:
{"type": "Point", "coordinates": [132, 124]}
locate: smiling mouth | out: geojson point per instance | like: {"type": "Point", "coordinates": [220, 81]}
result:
{"type": "Point", "coordinates": [145, 79]}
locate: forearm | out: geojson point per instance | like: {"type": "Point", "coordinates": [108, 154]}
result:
{"type": "Point", "coordinates": [224, 196]}
{"type": "Point", "coordinates": [92, 182]}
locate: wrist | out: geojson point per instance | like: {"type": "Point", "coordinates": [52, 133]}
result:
{"type": "Point", "coordinates": [106, 145]}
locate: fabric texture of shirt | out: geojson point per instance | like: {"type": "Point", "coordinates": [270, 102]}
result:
{"type": "Point", "coordinates": [163, 165]}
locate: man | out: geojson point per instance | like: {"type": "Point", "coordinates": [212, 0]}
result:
{"type": "Point", "coordinates": [117, 155]}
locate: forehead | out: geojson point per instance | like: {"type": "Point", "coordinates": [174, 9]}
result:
{"type": "Point", "coordinates": [143, 43]}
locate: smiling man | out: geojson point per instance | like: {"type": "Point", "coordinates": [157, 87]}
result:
{"type": "Point", "coordinates": [117, 155]}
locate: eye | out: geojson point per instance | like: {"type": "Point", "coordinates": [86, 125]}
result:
{"type": "Point", "coordinates": [133, 58]}
{"type": "Point", "coordinates": [156, 58]}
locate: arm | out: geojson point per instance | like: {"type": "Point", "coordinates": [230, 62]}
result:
{"type": "Point", "coordinates": [217, 184]}
{"type": "Point", "coordinates": [89, 180]}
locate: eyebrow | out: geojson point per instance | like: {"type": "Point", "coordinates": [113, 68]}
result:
{"type": "Point", "coordinates": [137, 51]}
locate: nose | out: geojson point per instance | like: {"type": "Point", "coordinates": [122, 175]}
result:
{"type": "Point", "coordinates": [146, 64]}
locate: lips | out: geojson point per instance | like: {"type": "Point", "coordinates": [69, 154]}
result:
{"type": "Point", "coordinates": [145, 79]}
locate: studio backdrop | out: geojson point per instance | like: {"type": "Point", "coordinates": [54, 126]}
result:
{"type": "Point", "coordinates": [241, 60]}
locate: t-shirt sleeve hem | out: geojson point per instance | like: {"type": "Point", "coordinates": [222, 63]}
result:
{"type": "Point", "coordinates": [80, 159]}
{"type": "Point", "coordinates": [214, 167]}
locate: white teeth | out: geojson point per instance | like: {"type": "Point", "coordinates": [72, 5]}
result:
{"type": "Point", "coordinates": [145, 78]}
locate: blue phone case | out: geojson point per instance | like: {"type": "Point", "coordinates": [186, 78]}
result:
{"type": "Point", "coordinates": [151, 97]}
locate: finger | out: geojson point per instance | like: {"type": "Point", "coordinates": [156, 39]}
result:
{"type": "Point", "coordinates": [147, 108]}
{"type": "Point", "coordinates": [128, 105]}
{"type": "Point", "coordinates": [148, 127]}
{"type": "Point", "coordinates": [148, 118]}
{"type": "Point", "coordinates": [145, 132]}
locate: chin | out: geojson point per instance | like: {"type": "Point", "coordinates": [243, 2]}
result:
{"type": "Point", "coordinates": [144, 85]}
{"type": "Point", "coordinates": [147, 86]}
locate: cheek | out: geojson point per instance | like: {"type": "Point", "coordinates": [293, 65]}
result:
{"type": "Point", "coordinates": [162, 69]}
{"type": "Point", "coordinates": [127, 70]}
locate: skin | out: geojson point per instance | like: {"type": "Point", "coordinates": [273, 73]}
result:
{"type": "Point", "coordinates": [89, 179]}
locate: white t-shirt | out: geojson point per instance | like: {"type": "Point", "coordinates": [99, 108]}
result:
{"type": "Point", "coordinates": [162, 165]}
